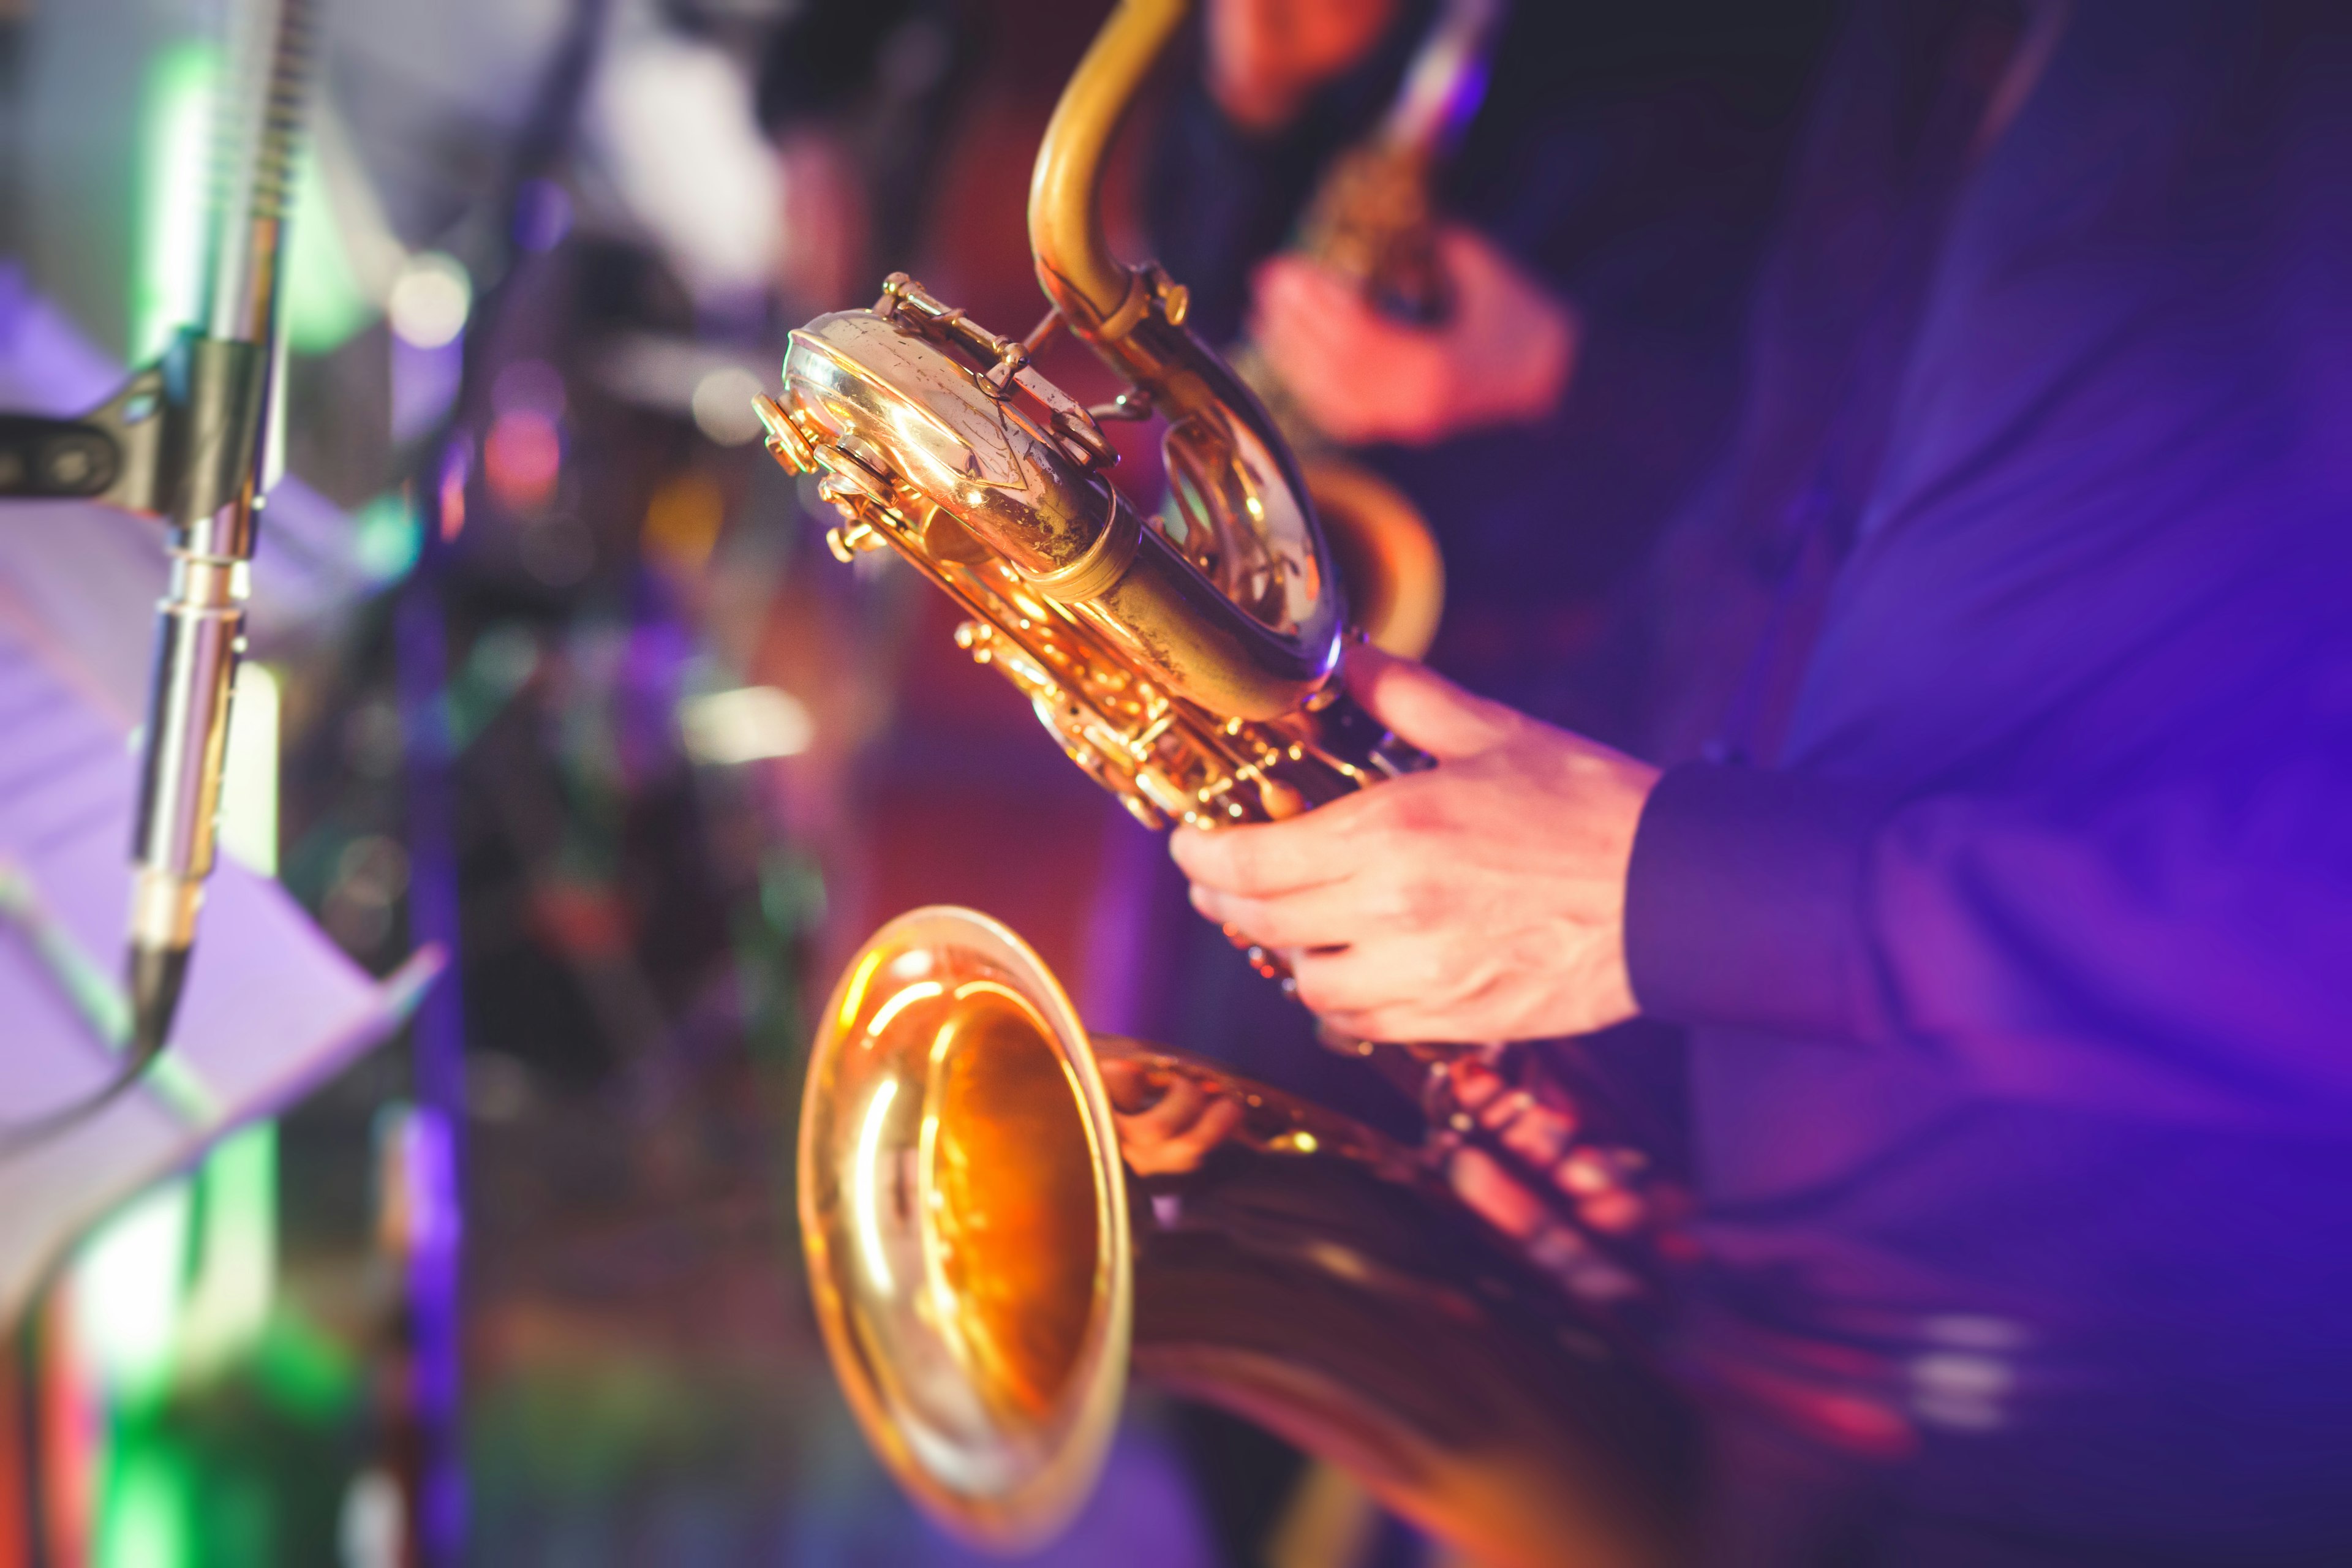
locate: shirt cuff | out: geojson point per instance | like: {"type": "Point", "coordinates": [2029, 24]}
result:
{"type": "Point", "coordinates": [1745, 904]}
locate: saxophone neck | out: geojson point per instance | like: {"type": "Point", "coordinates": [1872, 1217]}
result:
{"type": "Point", "coordinates": [1102, 296]}
{"type": "Point", "coordinates": [1131, 317]}
{"type": "Point", "coordinates": [1259, 639]}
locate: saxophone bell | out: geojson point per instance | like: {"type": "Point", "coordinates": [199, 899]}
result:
{"type": "Point", "coordinates": [985, 1269]}
{"type": "Point", "coordinates": [961, 1207]}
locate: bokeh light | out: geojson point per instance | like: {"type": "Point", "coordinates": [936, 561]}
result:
{"type": "Point", "coordinates": [430, 300]}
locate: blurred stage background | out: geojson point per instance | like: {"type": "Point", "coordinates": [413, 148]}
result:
{"type": "Point", "coordinates": [579, 694]}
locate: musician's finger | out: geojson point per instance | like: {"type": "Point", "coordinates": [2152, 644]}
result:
{"type": "Point", "coordinates": [1329, 916]}
{"type": "Point", "coordinates": [1379, 989]}
{"type": "Point", "coordinates": [1501, 1199]}
{"type": "Point", "coordinates": [1312, 360]}
{"type": "Point", "coordinates": [1264, 859]}
{"type": "Point", "coordinates": [1289, 288]}
{"type": "Point", "coordinates": [1422, 707]}
{"type": "Point", "coordinates": [1127, 1085]}
{"type": "Point", "coordinates": [1474, 1083]}
{"type": "Point", "coordinates": [1346, 985]}
{"type": "Point", "coordinates": [1321, 326]}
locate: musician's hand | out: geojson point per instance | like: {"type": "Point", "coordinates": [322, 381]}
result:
{"type": "Point", "coordinates": [1265, 58]}
{"type": "Point", "coordinates": [1167, 1123]}
{"type": "Point", "coordinates": [1481, 900]}
{"type": "Point", "coordinates": [1504, 354]}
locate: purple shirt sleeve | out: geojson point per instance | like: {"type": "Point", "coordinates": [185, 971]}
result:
{"type": "Point", "coordinates": [1743, 901]}
{"type": "Point", "coordinates": [2173, 950]}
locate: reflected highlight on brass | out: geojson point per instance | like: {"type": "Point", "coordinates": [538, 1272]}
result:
{"type": "Point", "coordinates": [961, 1208]}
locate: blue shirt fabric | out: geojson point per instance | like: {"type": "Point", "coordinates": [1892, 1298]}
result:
{"type": "Point", "coordinates": [2016, 967]}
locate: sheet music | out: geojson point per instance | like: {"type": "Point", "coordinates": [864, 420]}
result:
{"type": "Point", "coordinates": [272, 1007]}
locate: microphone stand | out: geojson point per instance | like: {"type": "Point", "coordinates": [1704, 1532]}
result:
{"type": "Point", "coordinates": [192, 442]}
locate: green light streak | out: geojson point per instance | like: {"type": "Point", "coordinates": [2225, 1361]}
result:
{"type": "Point", "coordinates": [146, 1519]}
{"type": "Point", "coordinates": [237, 1250]}
{"type": "Point", "coordinates": [308, 1374]}
{"type": "Point", "coordinates": [126, 1291]}
{"type": "Point", "coordinates": [168, 252]}
{"type": "Point", "coordinates": [324, 303]}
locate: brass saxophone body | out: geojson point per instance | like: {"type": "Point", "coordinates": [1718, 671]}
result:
{"type": "Point", "coordinates": [981, 1260]}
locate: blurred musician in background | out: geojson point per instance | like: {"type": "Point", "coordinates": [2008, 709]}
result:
{"type": "Point", "coordinates": [2005, 904]}
{"type": "Point", "coordinates": [856, 100]}
{"type": "Point", "coordinates": [1599, 220]}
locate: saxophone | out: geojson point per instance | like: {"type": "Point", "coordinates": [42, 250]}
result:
{"type": "Point", "coordinates": [986, 1269]}
{"type": "Point", "coordinates": [1186, 661]}
{"type": "Point", "coordinates": [983, 1265]}
{"type": "Point", "coordinates": [1372, 221]}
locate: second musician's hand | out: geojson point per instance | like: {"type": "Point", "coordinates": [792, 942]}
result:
{"type": "Point", "coordinates": [1505, 354]}
{"type": "Point", "coordinates": [1482, 900]}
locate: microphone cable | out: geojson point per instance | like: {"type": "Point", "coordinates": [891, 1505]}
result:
{"type": "Point", "coordinates": [103, 1008]}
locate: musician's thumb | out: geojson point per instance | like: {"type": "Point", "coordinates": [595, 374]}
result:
{"type": "Point", "coordinates": [1422, 706]}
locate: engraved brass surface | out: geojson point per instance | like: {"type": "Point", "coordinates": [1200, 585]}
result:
{"type": "Point", "coordinates": [1184, 660]}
